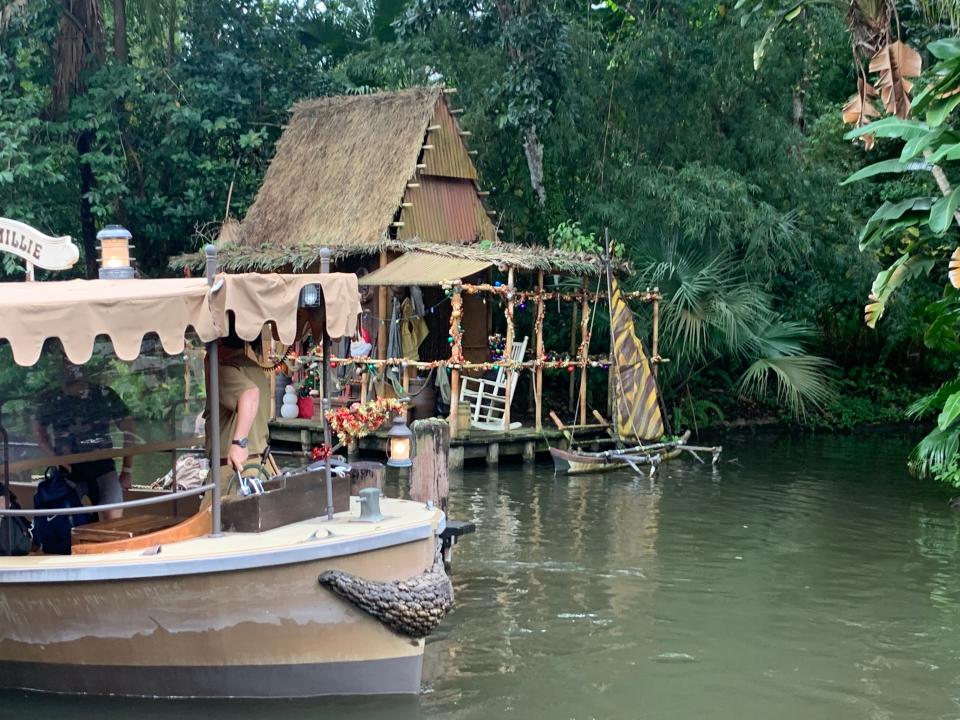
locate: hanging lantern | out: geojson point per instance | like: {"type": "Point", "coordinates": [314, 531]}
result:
{"type": "Point", "coordinates": [400, 441]}
{"type": "Point", "coordinates": [115, 253]}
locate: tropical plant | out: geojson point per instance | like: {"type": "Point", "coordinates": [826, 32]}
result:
{"type": "Point", "coordinates": [920, 233]}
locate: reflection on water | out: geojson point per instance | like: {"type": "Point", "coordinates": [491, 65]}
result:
{"type": "Point", "coordinates": [804, 578]}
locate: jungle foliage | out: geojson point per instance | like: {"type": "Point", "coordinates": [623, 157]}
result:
{"type": "Point", "coordinates": [721, 182]}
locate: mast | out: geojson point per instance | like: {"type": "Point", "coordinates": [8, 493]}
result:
{"type": "Point", "coordinates": [613, 354]}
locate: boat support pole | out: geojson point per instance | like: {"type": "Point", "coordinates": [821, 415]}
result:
{"type": "Point", "coordinates": [327, 438]}
{"type": "Point", "coordinates": [213, 404]}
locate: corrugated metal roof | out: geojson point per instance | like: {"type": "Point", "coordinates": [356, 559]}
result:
{"type": "Point", "coordinates": [416, 268]}
{"type": "Point", "coordinates": [445, 210]}
{"type": "Point", "coordinates": [449, 156]}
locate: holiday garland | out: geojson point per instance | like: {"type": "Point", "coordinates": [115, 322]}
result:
{"type": "Point", "coordinates": [357, 421]}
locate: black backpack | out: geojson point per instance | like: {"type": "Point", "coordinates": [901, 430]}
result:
{"type": "Point", "coordinates": [52, 532]}
{"type": "Point", "coordinates": [15, 533]}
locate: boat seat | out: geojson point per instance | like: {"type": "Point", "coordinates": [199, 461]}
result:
{"type": "Point", "coordinates": [121, 529]}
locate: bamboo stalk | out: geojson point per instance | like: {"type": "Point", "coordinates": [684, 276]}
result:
{"type": "Point", "coordinates": [584, 352]}
{"type": "Point", "coordinates": [508, 349]}
{"type": "Point", "coordinates": [573, 349]}
{"type": "Point", "coordinates": [655, 344]}
{"type": "Point", "coordinates": [538, 374]}
{"type": "Point", "coordinates": [456, 354]}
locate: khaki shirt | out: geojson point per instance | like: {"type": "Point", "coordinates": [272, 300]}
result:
{"type": "Point", "coordinates": [236, 376]}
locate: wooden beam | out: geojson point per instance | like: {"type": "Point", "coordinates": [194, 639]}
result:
{"type": "Point", "coordinates": [397, 223]}
{"type": "Point", "coordinates": [457, 111]}
{"type": "Point", "coordinates": [426, 147]}
{"type": "Point", "coordinates": [471, 152]}
{"type": "Point", "coordinates": [449, 91]}
{"type": "Point", "coordinates": [421, 166]}
{"type": "Point", "coordinates": [413, 185]}
{"type": "Point", "coordinates": [483, 193]}
{"type": "Point", "coordinates": [406, 204]}
{"type": "Point", "coordinates": [433, 128]}
{"type": "Point", "coordinates": [655, 344]}
{"type": "Point", "coordinates": [382, 311]}
{"type": "Point", "coordinates": [465, 133]}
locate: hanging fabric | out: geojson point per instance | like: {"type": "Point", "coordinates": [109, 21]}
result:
{"type": "Point", "coordinates": [638, 407]}
{"type": "Point", "coordinates": [413, 330]}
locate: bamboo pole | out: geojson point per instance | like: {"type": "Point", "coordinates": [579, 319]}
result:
{"type": "Point", "coordinates": [456, 355]}
{"type": "Point", "coordinates": [573, 351]}
{"type": "Point", "coordinates": [538, 374]}
{"type": "Point", "coordinates": [508, 349]}
{"type": "Point", "coordinates": [584, 352]}
{"type": "Point", "coordinates": [655, 344]}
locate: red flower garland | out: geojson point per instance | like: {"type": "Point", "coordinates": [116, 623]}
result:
{"type": "Point", "coordinates": [358, 420]}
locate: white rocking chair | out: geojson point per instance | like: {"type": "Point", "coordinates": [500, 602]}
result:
{"type": "Point", "coordinates": [489, 399]}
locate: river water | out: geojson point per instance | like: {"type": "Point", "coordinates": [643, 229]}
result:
{"type": "Point", "coordinates": [801, 578]}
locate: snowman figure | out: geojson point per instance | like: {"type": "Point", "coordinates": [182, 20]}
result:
{"type": "Point", "coordinates": [289, 407]}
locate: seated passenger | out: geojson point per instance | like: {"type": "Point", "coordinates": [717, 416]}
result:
{"type": "Point", "coordinates": [76, 418]}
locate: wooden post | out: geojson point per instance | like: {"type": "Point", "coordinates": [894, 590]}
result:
{"type": "Point", "coordinates": [584, 350]}
{"type": "Point", "coordinates": [456, 356]}
{"type": "Point", "coordinates": [655, 344]}
{"type": "Point", "coordinates": [383, 303]}
{"type": "Point", "coordinates": [508, 349]}
{"type": "Point", "coordinates": [366, 474]}
{"type": "Point", "coordinates": [538, 373]}
{"type": "Point", "coordinates": [429, 476]}
{"type": "Point", "coordinates": [573, 351]}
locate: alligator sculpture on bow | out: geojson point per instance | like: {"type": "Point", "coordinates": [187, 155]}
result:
{"type": "Point", "coordinates": [413, 607]}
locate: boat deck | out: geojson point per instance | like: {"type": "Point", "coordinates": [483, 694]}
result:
{"type": "Point", "coordinates": [523, 442]}
{"type": "Point", "coordinates": [317, 538]}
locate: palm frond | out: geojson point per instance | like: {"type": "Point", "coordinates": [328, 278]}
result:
{"type": "Point", "coordinates": [933, 402]}
{"type": "Point", "coordinates": [936, 450]}
{"type": "Point", "coordinates": [800, 380]}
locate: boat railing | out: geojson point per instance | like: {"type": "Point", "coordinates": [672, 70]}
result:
{"type": "Point", "coordinates": [84, 509]}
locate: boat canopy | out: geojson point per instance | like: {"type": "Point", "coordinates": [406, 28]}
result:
{"type": "Point", "coordinates": [78, 311]}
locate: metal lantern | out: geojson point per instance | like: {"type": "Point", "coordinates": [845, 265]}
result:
{"type": "Point", "coordinates": [310, 296]}
{"type": "Point", "coordinates": [115, 253]}
{"type": "Point", "coordinates": [400, 443]}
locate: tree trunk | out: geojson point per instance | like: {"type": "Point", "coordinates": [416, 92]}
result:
{"type": "Point", "coordinates": [171, 31]}
{"type": "Point", "coordinates": [120, 48]}
{"type": "Point", "coordinates": [533, 149]}
{"type": "Point", "coordinates": [88, 225]}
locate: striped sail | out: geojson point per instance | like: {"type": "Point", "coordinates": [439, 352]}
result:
{"type": "Point", "coordinates": [638, 407]}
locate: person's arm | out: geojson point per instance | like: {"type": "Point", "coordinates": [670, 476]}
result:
{"type": "Point", "coordinates": [43, 440]}
{"type": "Point", "coordinates": [127, 427]}
{"type": "Point", "coordinates": [247, 404]}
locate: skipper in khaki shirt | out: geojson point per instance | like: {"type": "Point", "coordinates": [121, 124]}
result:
{"type": "Point", "coordinates": [244, 404]}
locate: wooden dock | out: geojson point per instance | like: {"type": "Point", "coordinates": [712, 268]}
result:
{"type": "Point", "coordinates": [523, 442]}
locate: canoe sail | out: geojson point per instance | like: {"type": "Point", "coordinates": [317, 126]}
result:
{"type": "Point", "coordinates": [638, 407]}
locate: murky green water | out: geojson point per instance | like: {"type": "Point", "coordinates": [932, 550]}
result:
{"type": "Point", "coordinates": [804, 578]}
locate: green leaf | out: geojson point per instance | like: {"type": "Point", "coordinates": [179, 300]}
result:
{"type": "Point", "coordinates": [890, 127]}
{"type": "Point", "coordinates": [903, 269]}
{"type": "Point", "coordinates": [950, 412]}
{"type": "Point", "coordinates": [880, 225]}
{"type": "Point", "coordinates": [939, 110]}
{"type": "Point", "coordinates": [888, 166]}
{"type": "Point", "coordinates": [941, 214]}
{"type": "Point", "coordinates": [946, 49]}
{"type": "Point", "coordinates": [792, 15]}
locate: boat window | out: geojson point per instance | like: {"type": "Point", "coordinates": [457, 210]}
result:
{"type": "Point", "coordinates": [57, 412]}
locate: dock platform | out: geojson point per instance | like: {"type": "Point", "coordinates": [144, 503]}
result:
{"type": "Point", "coordinates": [522, 442]}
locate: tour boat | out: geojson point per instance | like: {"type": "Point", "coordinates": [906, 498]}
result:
{"type": "Point", "coordinates": [336, 598]}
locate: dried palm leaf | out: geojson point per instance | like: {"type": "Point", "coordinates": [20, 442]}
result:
{"type": "Point", "coordinates": [954, 268]}
{"type": "Point", "coordinates": [896, 63]}
{"type": "Point", "coordinates": [860, 110]}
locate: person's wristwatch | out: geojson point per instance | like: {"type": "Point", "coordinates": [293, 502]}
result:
{"type": "Point", "coordinates": [240, 442]}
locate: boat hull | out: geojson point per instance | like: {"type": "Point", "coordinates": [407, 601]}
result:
{"type": "Point", "coordinates": [567, 462]}
{"type": "Point", "coordinates": [258, 632]}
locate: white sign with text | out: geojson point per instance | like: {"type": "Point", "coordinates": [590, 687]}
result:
{"type": "Point", "coordinates": [42, 251]}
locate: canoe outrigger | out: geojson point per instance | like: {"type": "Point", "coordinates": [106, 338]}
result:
{"type": "Point", "coordinates": [336, 602]}
{"type": "Point", "coordinates": [639, 430]}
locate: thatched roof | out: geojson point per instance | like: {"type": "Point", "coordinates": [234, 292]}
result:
{"type": "Point", "coordinates": [340, 171]}
{"type": "Point", "coordinates": [238, 258]}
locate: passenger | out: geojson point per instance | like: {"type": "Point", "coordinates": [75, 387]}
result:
{"type": "Point", "coordinates": [77, 418]}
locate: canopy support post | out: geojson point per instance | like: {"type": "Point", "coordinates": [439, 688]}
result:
{"type": "Point", "coordinates": [327, 436]}
{"type": "Point", "coordinates": [213, 393]}
{"type": "Point", "coordinates": [584, 350]}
